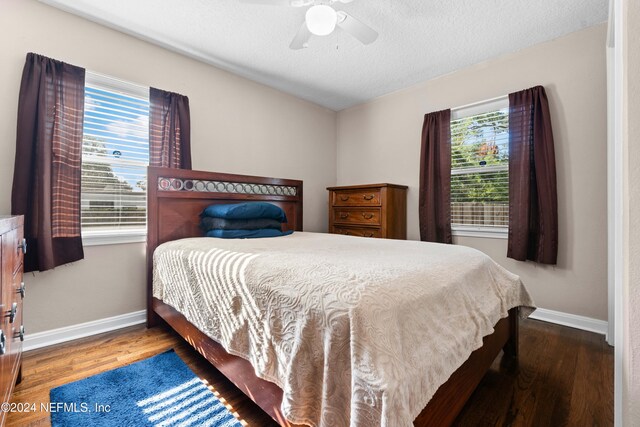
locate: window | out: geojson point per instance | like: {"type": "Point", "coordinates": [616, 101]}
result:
{"type": "Point", "coordinates": [115, 155]}
{"type": "Point", "coordinates": [480, 169]}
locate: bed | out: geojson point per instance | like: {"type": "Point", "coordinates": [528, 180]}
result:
{"type": "Point", "coordinates": [176, 197]}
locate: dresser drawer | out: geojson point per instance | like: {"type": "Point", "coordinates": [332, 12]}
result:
{"type": "Point", "coordinates": [16, 337]}
{"type": "Point", "coordinates": [349, 215]}
{"type": "Point", "coordinates": [357, 231]}
{"type": "Point", "coordinates": [12, 244]}
{"type": "Point", "coordinates": [12, 327]}
{"type": "Point", "coordinates": [19, 258]}
{"type": "Point", "coordinates": [357, 197]}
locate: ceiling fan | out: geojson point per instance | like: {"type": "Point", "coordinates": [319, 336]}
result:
{"type": "Point", "coordinates": [321, 19]}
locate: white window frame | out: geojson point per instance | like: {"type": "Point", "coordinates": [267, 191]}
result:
{"type": "Point", "coordinates": [114, 237]}
{"type": "Point", "coordinates": [474, 109]}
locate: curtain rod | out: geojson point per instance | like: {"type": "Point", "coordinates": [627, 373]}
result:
{"type": "Point", "coordinates": [475, 104]}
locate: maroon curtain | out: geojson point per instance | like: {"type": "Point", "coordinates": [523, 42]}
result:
{"type": "Point", "coordinates": [169, 130]}
{"type": "Point", "coordinates": [533, 201]}
{"type": "Point", "coordinates": [435, 178]}
{"type": "Point", "coordinates": [46, 178]}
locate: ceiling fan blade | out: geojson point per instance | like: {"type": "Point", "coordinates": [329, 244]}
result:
{"type": "Point", "coordinates": [357, 29]}
{"type": "Point", "coordinates": [302, 38]}
{"type": "Point", "coordinates": [268, 2]}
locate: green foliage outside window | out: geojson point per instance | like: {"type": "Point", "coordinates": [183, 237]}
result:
{"type": "Point", "coordinates": [480, 197]}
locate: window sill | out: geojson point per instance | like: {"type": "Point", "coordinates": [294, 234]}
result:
{"type": "Point", "coordinates": [99, 238]}
{"type": "Point", "coordinates": [481, 232]}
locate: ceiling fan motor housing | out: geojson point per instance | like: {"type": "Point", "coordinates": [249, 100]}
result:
{"type": "Point", "coordinates": [321, 19]}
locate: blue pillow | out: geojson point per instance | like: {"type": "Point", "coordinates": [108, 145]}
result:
{"type": "Point", "coordinates": [247, 234]}
{"type": "Point", "coordinates": [250, 210]}
{"type": "Point", "coordinates": [207, 223]}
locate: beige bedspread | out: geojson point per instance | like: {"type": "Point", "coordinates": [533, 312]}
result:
{"type": "Point", "coordinates": [356, 331]}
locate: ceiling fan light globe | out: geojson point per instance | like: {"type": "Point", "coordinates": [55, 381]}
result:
{"type": "Point", "coordinates": [321, 19]}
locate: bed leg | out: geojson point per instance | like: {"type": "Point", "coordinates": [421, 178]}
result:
{"type": "Point", "coordinates": [152, 318]}
{"type": "Point", "coordinates": [511, 346]}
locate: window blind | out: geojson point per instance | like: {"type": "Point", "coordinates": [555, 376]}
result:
{"type": "Point", "coordinates": [115, 155]}
{"type": "Point", "coordinates": [480, 170]}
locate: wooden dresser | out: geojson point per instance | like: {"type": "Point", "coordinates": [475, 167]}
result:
{"type": "Point", "coordinates": [374, 210]}
{"type": "Point", "coordinates": [12, 249]}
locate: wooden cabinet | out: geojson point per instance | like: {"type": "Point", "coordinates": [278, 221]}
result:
{"type": "Point", "coordinates": [12, 248]}
{"type": "Point", "coordinates": [374, 210]}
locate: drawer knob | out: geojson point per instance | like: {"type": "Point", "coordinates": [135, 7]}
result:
{"type": "Point", "coordinates": [344, 215]}
{"type": "Point", "coordinates": [3, 342]}
{"type": "Point", "coordinates": [344, 198]}
{"type": "Point", "coordinates": [23, 246]}
{"type": "Point", "coordinates": [21, 290]}
{"type": "Point", "coordinates": [11, 314]}
{"type": "Point", "coordinates": [369, 196]}
{"type": "Point", "coordinates": [367, 215]}
{"type": "Point", "coordinates": [20, 333]}
{"type": "Point", "coordinates": [368, 235]}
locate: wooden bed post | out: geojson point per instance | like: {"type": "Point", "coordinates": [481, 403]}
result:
{"type": "Point", "coordinates": [511, 347]}
{"type": "Point", "coordinates": [152, 241]}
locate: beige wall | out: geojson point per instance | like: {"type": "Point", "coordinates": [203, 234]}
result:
{"type": "Point", "coordinates": [237, 126]}
{"type": "Point", "coordinates": [379, 141]}
{"type": "Point", "coordinates": [631, 296]}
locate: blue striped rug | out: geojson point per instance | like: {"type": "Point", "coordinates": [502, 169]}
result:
{"type": "Point", "coordinates": [159, 391]}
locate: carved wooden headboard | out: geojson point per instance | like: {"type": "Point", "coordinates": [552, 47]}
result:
{"type": "Point", "coordinates": [175, 198]}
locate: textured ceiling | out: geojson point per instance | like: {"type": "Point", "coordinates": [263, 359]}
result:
{"type": "Point", "coordinates": [419, 39]}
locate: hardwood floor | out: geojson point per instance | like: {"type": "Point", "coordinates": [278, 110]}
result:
{"type": "Point", "coordinates": [564, 377]}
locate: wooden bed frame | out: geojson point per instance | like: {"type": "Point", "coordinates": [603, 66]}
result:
{"type": "Point", "coordinates": [175, 199]}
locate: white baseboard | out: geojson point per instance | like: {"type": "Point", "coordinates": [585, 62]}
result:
{"type": "Point", "coordinates": [571, 320]}
{"type": "Point", "coordinates": [82, 330]}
